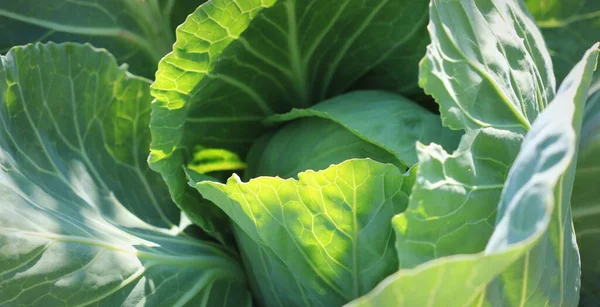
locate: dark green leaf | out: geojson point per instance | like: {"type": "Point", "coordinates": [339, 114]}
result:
{"type": "Point", "coordinates": [136, 31]}
{"type": "Point", "coordinates": [386, 120]}
{"type": "Point", "coordinates": [569, 28]}
{"type": "Point", "coordinates": [310, 144]}
{"type": "Point", "coordinates": [585, 202]}
{"type": "Point", "coordinates": [178, 10]}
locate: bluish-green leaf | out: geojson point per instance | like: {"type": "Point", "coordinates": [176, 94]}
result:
{"type": "Point", "coordinates": [139, 33]}
{"type": "Point", "coordinates": [531, 258]}
{"type": "Point", "coordinates": [487, 65]}
{"type": "Point", "coordinates": [72, 102]}
{"type": "Point", "coordinates": [489, 72]}
{"type": "Point", "coordinates": [83, 220]}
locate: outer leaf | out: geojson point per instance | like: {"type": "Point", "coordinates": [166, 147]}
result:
{"type": "Point", "coordinates": [533, 226]}
{"type": "Point", "coordinates": [72, 147]}
{"type": "Point", "coordinates": [72, 102]}
{"type": "Point", "coordinates": [135, 31]}
{"type": "Point", "coordinates": [585, 202]}
{"type": "Point", "coordinates": [569, 28]}
{"type": "Point", "coordinates": [487, 65]}
{"type": "Point", "coordinates": [488, 70]}
{"type": "Point", "coordinates": [389, 121]}
{"type": "Point", "coordinates": [225, 75]}
{"type": "Point", "coordinates": [320, 236]}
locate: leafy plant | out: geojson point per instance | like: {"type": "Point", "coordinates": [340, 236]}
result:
{"type": "Point", "coordinates": [302, 153]}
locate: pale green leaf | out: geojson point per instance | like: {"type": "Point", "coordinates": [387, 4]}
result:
{"type": "Point", "coordinates": [531, 258]}
{"type": "Point", "coordinates": [321, 240]}
{"type": "Point", "coordinates": [237, 62]}
{"type": "Point", "coordinates": [77, 199]}
{"type": "Point", "coordinates": [487, 65]}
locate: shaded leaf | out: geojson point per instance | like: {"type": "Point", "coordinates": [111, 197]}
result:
{"type": "Point", "coordinates": [585, 201]}
{"type": "Point", "coordinates": [83, 220]}
{"type": "Point", "coordinates": [569, 28]}
{"type": "Point", "coordinates": [178, 10]}
{"type": "Point", "coordinates": [310, 144]}
{"type": "Point", "coordinates": [389, 121]}
{"type": "Point", "coordinates": [137, 32]}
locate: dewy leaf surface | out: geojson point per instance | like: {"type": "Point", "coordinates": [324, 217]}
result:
{"type": "Point", "coordinates": [531, 258]}
{"type": "Point", "coordinates": [488, 69]}
{"type": "Point", "coordinates": [585, 201]}
{"type": "Point", "coordinates": [321, 235]}
{"type": "Point", "coordinates": [137, 32]}
{"type": "Point", "coordinates": [73, 137]}
{"type": "Point", "coordinates": [569, 28]}
{"type": "Point", "coordinates": [225, 75]}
